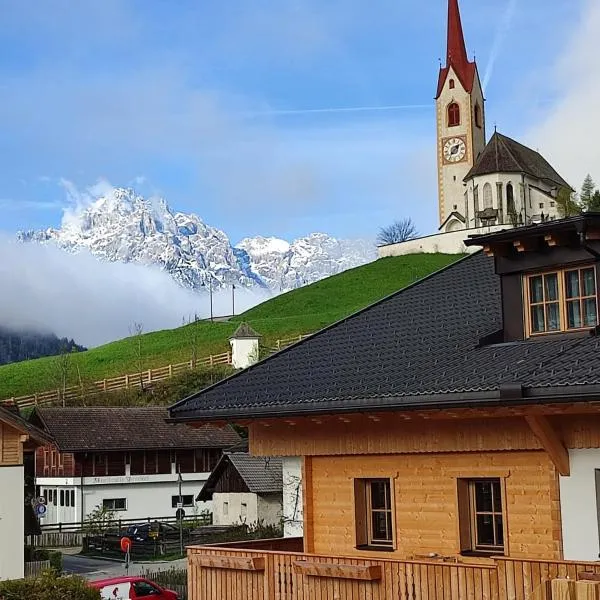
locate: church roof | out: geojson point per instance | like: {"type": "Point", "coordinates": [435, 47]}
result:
{"type": "Point", "coordinates": [505, 155]}
{"type": "Point", "coordinates": [245, 331]}
{"type": "Point", "coordinates": [456, 53]}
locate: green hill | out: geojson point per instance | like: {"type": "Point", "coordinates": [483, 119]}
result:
{"type": "Point", "coordinates": [300, 311]}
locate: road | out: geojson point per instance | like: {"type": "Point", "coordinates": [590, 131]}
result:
{"type": "Point", "coordinates": [93, 568]}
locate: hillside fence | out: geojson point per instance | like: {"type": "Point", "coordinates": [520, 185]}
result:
{"type": "Point", "coordinates": [145, 378]}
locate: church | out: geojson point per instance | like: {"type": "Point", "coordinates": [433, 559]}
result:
{"type": "Point", "coordinates": [481, 184]}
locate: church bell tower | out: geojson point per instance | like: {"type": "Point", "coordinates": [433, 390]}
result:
{"type": "Point", "coordinates": [460, 113]}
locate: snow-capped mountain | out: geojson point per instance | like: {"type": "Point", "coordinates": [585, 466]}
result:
{"type": "Point", "coordinates": [122, 226]}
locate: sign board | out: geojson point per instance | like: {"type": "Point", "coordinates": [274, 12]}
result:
{"type": "Point", "coordinates": [180, 514]}
{"type": "Point", "coordinates": [40, 510]}
{"type": "Point", "coordinates": [41, 500]}
{"type": "Point", "coordinates": [125, 544]}
{"type": "Point", "coordinates": [180, 505]}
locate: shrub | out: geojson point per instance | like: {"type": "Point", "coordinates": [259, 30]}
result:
{"type": "Point", "coordinates": [48, 587]}
{"type": "Point", "coordinates": [56, 562]}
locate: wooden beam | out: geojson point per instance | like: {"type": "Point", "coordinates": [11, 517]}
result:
{"type": "Point", "coordinates": [234, 563]}
{"type": "Point", "coordinates": [338, 571]}
{"type": "Point", "coordinates": [551, 443]}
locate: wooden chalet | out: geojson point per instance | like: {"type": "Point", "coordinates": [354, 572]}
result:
{"type": "Point", "coordinates": [449, 434]}
{"type": "Point", "coordinates": [125, 459]}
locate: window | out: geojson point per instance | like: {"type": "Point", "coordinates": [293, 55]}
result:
{"type": "Point", "coordinates": [143, 589]}
{"type": "Point", "coordinates": [225, 509]}
{"type": "Point", "coordinates": [541, 205]}
{"type": "Point", "coordinates": [481, 516]}
{"type": "Point", "coordinates": [187, 499]}
{"type": "Point", "coordinates": [114, 504]}
{"type": "Point", "coordinates": [552, 204]}
{"type": "Point", "coordinates": [72, 497]}
{"type": "Point", "coordinates": [452, 84]}
{"type": "Point", "coordinates": [561, 301]}
{"type": "Point", "coordinates": [374, 518]}
{"type": "Point", "coordinates": [487, 196]}
{"type": "Point", "coordinates": [453, 114]}
{"type": "Point", "coordinates": [477, 115]}
{"type": "Point", "coordinates": [62, 497]}
{"type": "Point", "coordinates": [243, 510]}
{"type": "Point", "coordinates": [67, 498]}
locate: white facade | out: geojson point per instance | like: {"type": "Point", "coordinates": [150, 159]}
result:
{"type": "Point", "coordinates": [292, 497]}
{"type": "Point", "coordinates": [235, 508]}
{"type": "Point", "coordinates": [443, 243]}
{"type": "Point", "coordinates": [518, 198]}
{"type": "Point", "coordinates": [12, 522]}
{"type": "Point", "coordinates": [145, 496]}
{"type": "Point", "coordinates": [244, 352]}
{"type": "Point", "coordinates": [580, 504]}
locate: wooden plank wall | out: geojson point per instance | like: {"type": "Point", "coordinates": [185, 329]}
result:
{"type": "Point", "coordinates": [11, 448]}
{"type": "Point", "coordinates": [425, 500]}
{"type": "Point", "coordinates": [505, 579]}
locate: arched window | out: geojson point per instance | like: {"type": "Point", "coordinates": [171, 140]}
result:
{"type": "Point", "coordinates": [487, 196]}
{"type": "Point", "coordinates": [453, 114]}
{"type": "Point", "coordinates": [451, 86]}
{"type": "Point", "coordinates": [478, 115]}
{"type": "Point", "coordinates": [510, 200]}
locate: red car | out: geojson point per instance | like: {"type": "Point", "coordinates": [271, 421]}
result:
{"type": "Point", "coordinates": [123, 588]}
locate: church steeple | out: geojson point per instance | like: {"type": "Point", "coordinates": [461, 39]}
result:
{"type": "Point", "coordinates": [456, 52]}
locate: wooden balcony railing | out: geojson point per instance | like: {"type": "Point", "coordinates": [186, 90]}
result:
{"type": "Point", "coordinates": [232, 572]}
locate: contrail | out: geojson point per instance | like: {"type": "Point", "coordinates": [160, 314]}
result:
{"type": "Point", "coordinates": [306, 111]}
{"type": "Point", "coordinates": [498, 40]}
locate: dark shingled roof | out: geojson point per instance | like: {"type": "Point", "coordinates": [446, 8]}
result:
{"type": "Point", "coordinates": [245, 331]}
{"type": "Point", "coordinates": [262, 475]}
{"type": "Point", "coordinates": [504, 155]}
{"type": "Point", "coordinates": [139, 428]}
{"type": "Point", "coordinates": [417, 348]}
{"type": "Point", "coordinates": [12, 418]}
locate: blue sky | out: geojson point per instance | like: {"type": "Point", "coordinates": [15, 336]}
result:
{"type": "Point", "coordinates": [202, 102]}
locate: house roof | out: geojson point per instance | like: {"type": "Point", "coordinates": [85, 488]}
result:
{"type": "Point", "coordinates": [14, 419]}
{"type": "Point", "coordinates": [245, 331]}
{"type": "Point", "coordinates": [139, 428]}
{"type": "Point", "coordinates": [262, 475]}
{"type": "Point", "coordinates": [422, 347]}
{"type": "Point", "coordinates": [505, 155]}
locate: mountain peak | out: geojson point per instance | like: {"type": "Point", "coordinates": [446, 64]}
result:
{"type": "Point", "coordinates": [121, 225]}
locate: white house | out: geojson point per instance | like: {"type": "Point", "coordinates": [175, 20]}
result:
{"type": "Point", "coordinates": [126, 460]}
{"type": "Point", "coordinates": [245, 489]}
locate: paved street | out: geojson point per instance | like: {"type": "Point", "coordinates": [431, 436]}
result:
{"type": "Point", "coordinates": [93, 568]}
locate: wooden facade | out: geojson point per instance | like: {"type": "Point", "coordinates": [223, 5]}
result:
{"type": "Point", "coordinates": [50, 462]}
{"type": "Point", "coordinates": [11, 445]}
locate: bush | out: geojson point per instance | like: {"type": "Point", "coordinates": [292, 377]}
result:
{"type": "Point", "coordinates": [48, 587]}
{"type": "Point", "coordinates": [56, 562]}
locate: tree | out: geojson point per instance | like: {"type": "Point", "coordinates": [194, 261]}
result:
{"type": "Point", "coordinates": [136, 330]}
{"type": "Point", "coordinates": [399, 231]}
{"type": "Point", "coordinates": [594, 205]}
{"type": "Point", "coordinates": [61, 372]}
{"type": "Point", "coordinates": [587, 192]}
{"type": "Point", "coordinates": [567, 203]}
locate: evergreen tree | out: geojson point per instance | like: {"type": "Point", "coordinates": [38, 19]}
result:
{"type": "Point", "coordinates": [587, 192]}
{"type": "Point", "coordinates": [594, 205]}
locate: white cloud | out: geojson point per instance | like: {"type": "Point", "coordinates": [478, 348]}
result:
{"type": "Point", "coordinates": [93, 302]}
{"type": "Point", "coordinates": [569, 130]}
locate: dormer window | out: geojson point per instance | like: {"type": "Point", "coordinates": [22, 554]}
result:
{"type": "Point", "coordinates": [561, 300]}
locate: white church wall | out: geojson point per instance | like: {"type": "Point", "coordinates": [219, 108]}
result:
{"type": "Point", "coordinates": [444, 243]}
{"type": "Point", "coordinates": [244, 352]}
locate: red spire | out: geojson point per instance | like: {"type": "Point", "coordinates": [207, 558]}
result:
{"type": "Point", "coordinates": [457, 51]}
{"type": "Point", "coordinates": [456, 56]}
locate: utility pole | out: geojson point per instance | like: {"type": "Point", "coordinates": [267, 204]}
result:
{"type": "Point", "coordinates": [180, 514]}
{"type": "Point", "coordinates": [233, 300]}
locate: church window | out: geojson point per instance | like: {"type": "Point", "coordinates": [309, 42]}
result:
{"type": "Point", "coordinates": [478, 115]}
{"type": "Point", "coordinates": [510, 199]}
{"type": "Point", "coordinates": [451, 86]}
{"type": "Point", "coordinates": [453, 114]}
{"type": "Point", "coordinates": [487, 196]}
{"type": "Point", "coordinates": [563, 300]}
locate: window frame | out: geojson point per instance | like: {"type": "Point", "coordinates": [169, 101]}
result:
{"type": "Point", "coordinates": [114, 508]}
{"type": "Point", "coordinates": [365, 539]}
{"type": "Point", "coordinates": [456, 114]}
{"type": "Point", "coordinates": [562, 300]}
{"type": "Point", "coordinates": [467, 516]}
{"type": "Point", "coordinates": [477, 115]}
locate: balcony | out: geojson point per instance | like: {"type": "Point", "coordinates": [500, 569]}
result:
{"type": "Point", "coordinates": [279, 570]}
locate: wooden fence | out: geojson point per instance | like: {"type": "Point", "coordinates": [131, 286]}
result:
{"type": "Point", "coordinates": [133, 380]}
{"type": "Point", "coordinates": [35, 568]}
{"type": "Point", "coordinates": [245, 574]}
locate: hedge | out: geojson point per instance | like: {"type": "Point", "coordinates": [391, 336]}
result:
{"type": "Point", "coordinates": [48, 587]}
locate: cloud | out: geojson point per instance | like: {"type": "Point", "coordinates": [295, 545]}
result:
{"type": "Point", "coordinates": [46, 289]}
{"type": "Point", "coordinates": [568, 132]}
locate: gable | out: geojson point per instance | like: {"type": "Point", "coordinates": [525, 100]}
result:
{"type": "Point", "coordinates": [11, 449]}
{"type": "Point", "coordinates": [230, 481]}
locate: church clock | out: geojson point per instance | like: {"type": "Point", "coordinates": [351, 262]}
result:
{"type": "Point", "coordinates": [455, 149]}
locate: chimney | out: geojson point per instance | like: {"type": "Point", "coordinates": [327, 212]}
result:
{"type": "Point", "coordinates": [244, 347]}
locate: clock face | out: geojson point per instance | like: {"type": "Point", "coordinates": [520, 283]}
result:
{"type": "Point", "coordinates": [455, 150]}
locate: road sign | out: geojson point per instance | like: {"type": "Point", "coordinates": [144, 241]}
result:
{"type": "Point", "coordinates": [180, 514]}
{"type": "Point", "coordinates": [180, 505]}
{"type": "Point", "coordinates": [41, 500]}
{"type": "Point", "coordinates": [125, 544]}
{"type": "Point", "coordinates": [40, 510]}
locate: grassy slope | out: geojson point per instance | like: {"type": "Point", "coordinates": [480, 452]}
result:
{"type": "Point", "coordinates": [300, 311]}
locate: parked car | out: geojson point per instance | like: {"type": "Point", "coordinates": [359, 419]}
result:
{"type": "Point", "coordinates": [144, 532]}
{"type": "Point", "coordinates": [123, 588]}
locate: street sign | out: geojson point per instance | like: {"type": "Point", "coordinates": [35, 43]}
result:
{"type": "Point", "coordinates": [125, 544]}
{"type": "Point", "coordinates": [180, 514]}
{"type": "Point", "coordinates": [41, 500]}
{"type": "Point", "coordinates": [180, 505]}
{"type": "Point", "coordinates": [40, 510]}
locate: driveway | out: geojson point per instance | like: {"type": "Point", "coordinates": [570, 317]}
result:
{"type": "Point", "coordinates": [94, 568]}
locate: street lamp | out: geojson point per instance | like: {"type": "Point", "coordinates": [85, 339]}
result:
{"type": "Point", "coordinates": [233, 299]}
{"type": "Point", "coordinates": [180, 510]}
